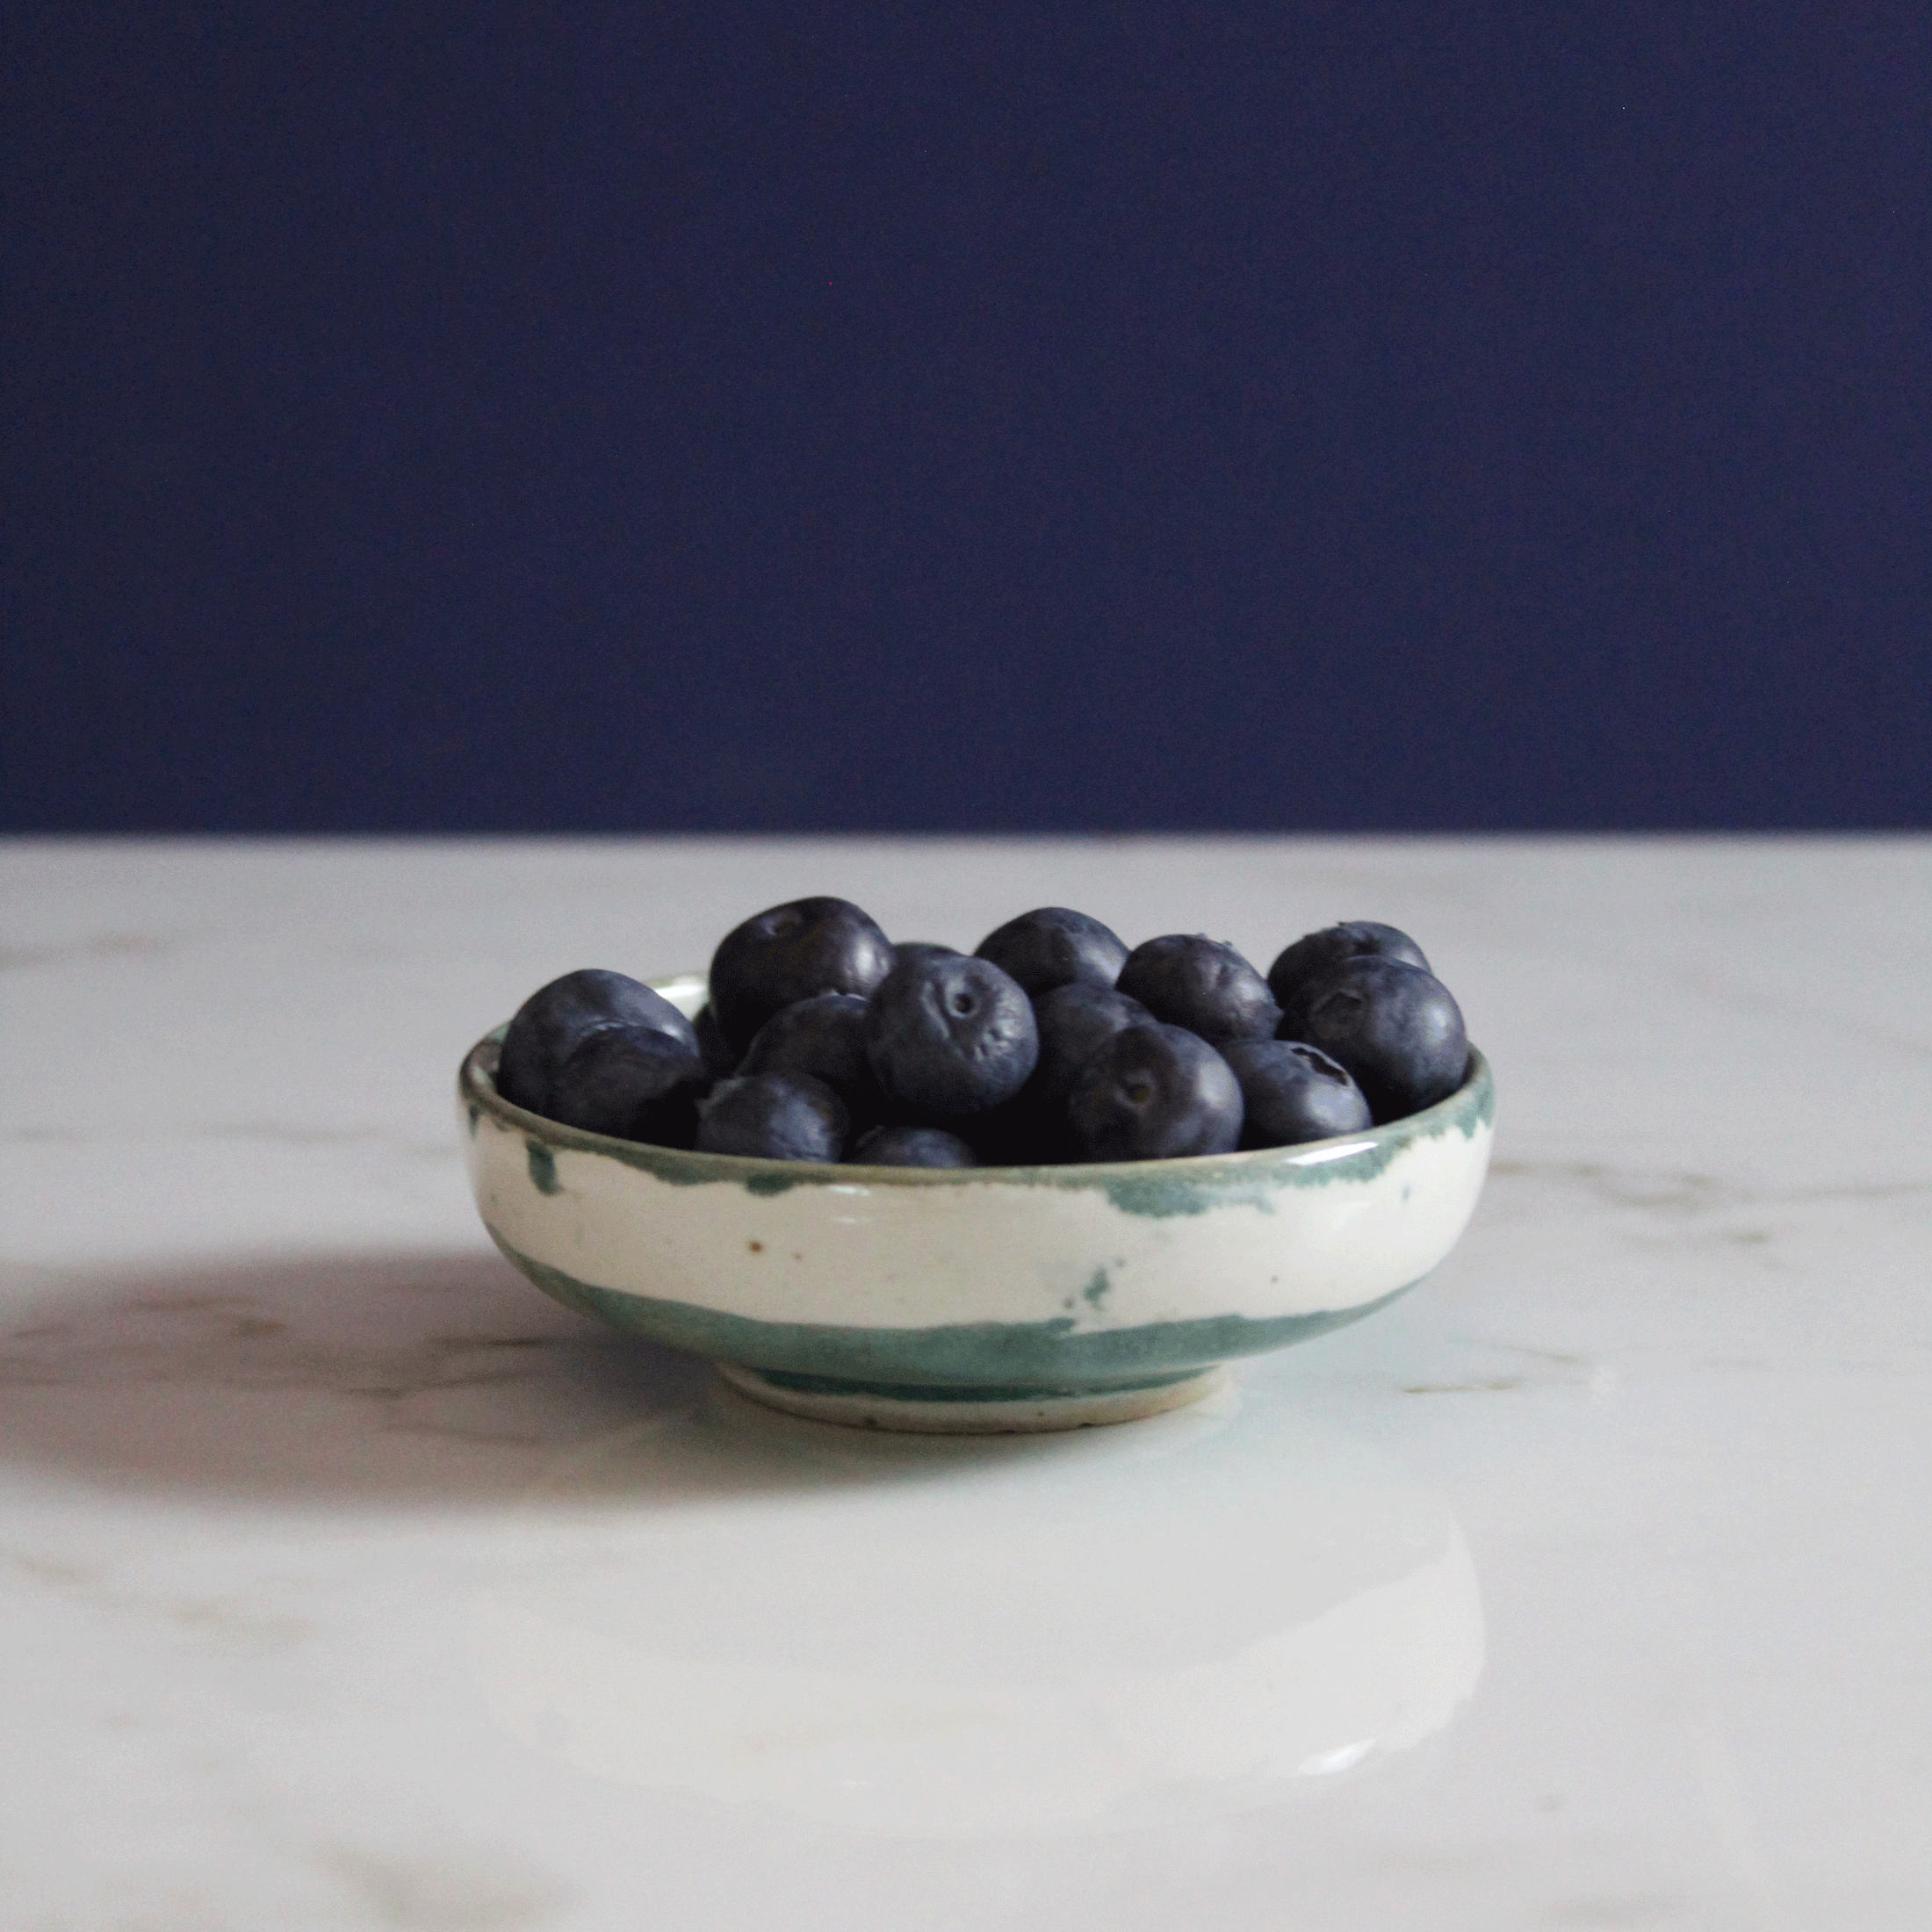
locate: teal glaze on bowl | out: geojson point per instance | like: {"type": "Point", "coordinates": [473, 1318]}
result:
{"type": "Point", "coordinates": [992, 1298]}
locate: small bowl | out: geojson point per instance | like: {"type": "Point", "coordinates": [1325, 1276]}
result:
{"type": "Point", "coordinates": [973, 1299]}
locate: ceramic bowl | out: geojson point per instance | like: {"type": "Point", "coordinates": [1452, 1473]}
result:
{"type": "Point", "coordinates": [974, 1300]}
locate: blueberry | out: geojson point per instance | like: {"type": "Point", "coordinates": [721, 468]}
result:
{"type": "Point", "coordinates": [1189, 980]}
{"type": "Point", "coordinates": [717, 1057]}
{"type": "Point", "coordinates": [912, 1147]}
{"type": "Point", "coordinates": [775, 1116]}
{"type": "Point", "coordinates": [1054, 946]}
{"type": "Point", "coordinates": [1075, 1022]}
{"type": "Point", "coordinates": [1291, 1091]}
{"type": "Point", "coordinates": [1154, 1092]}
{"type": "Point", "coordinates": [950, 1036]}
{"type": "Point", "coordinates": [791, 952]}
{"type": "Point", "coordinates": [919, 949]}
{"type": "Point", "coordinates": [631, 1082]}
{"type": "Point", "coordinates": [555, 1018]}
{"type": "Point", "coordinates": [1318, 954]}
{"type": "Point", "coordinates": [823, 1036]}
{"type": "Point", "coordinates": [1394, 1026]}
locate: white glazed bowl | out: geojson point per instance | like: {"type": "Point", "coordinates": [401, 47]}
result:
{"type": "Point", "coordinates": [977, 1299]}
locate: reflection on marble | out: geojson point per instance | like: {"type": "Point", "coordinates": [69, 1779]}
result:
{"type": "Point", "coordinates": [1018, 1661]}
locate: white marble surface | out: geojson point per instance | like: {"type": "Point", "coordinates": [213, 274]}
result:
{"type": "Point", "coordinates": [346, 1584]}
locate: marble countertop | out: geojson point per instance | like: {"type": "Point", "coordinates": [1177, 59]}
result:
{"type": "Point", "coordinates": [347, 1583]}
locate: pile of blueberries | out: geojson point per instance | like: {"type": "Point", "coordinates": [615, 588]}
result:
{"type": "Point", "coordinates": [825, 1042]}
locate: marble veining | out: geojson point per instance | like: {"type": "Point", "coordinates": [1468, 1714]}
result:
{"type": "Point", "coordinates": [111, 946]}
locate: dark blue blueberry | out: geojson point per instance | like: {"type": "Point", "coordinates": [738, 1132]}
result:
{"type": "Point", "coordinates": [1394, 1026]}
{"type": "Point", "coordinates": [823, 1036]}
{"type": "Point", "coordinates": [1054, 946]}
{"type": "Point", "coordinates": [773, 1116]}
{"type": "Point", "coordinates": [1075, 1022]}
{"type": "Point", "coordinates": [1154, 1092]}
{"type": "Point", "coordinates": [550, 1023]}
{"type": "Point", "coordinates": [1291, 1091]}
{"type": "Point", "coordinates": [1189, 980]}
{"type": "Point", "coordinates": [792, 952]}
{"type": "Point", "coordinates": [631, 1082]}
{"type": "Point", "coordinates": [1318, 954]}
{"type": "Point", "coordinates": [950, 1036]}
{"type": "Point", "coordinates": [717, 1057]}
{"type": "Point", "coordinates": [919, 949]}
{"type": "Point", "coordinates": [912, 1147]}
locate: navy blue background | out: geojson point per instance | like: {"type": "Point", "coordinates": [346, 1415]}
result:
{"type": "Point", "coordinates": [865, 416]}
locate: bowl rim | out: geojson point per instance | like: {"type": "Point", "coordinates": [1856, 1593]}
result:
{"type": "Point", "coordinates": [1472, 1102]}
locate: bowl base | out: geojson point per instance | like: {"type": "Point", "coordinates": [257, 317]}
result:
{"type": "Point", "coordinates": [965, 1411]}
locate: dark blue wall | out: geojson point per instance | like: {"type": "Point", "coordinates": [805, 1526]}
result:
{"type": "Point", "coordinates": [860, 415]}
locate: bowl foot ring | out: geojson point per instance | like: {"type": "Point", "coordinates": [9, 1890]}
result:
{"type": "Point", "coordinates": [965, 1411]}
